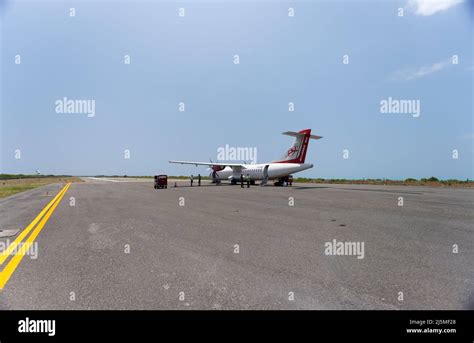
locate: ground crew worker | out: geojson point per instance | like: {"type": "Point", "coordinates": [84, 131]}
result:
{"type": "Point", "coordinates": [241, 180]}
{"type": "Point", "coordinates": [248, 181]}
{"type": "Point", "coordinates": [192, 179]}
{"type": "Point", "coordinates": [199, 179]}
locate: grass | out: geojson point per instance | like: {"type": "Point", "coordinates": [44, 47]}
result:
{"type": "Point", "coordinates": [7, 191]}
{"type": "Point", "coordinates": [29, 176]}
{"type": "Point", "coordinates": [432, 182]}
{"type": "Point", "coordinates": [10, 185]}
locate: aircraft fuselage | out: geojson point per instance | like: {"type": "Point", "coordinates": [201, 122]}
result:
{"type": "Point", "coordinates": [256, 171]}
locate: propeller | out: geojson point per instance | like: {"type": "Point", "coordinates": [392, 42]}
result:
{"type": "Point", "coordinates": [211, 170]}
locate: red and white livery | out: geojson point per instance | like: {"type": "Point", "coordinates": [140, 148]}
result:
{"type": "Point", "coordinates": [293, 161]}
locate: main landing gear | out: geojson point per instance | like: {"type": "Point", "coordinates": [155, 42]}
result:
{"type": "Point", "coordinates": [284, 181]}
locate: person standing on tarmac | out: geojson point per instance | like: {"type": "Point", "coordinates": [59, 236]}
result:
{"type": "Point", "coordinates": [199, 179]}
{"type": "Point", "coordinates": [191, 179]}
{"type": "Point", "coordinates": [248, 181]}
{"type": "Point", "coordinates": [241, 180]}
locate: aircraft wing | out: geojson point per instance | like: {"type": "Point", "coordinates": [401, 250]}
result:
{"type": "Point", "coordinates": [232, 165]}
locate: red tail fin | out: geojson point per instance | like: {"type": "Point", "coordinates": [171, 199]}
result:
{"type": "Point", "coordinates": [297, 152]}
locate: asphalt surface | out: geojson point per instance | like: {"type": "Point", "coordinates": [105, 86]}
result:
{"type": "Point", "coordinates": [125, 245]}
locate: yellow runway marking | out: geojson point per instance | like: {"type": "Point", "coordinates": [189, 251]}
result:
{"type": "Point", "coordinates": [4, 255]}
{"type": "Point", "coordinates": [15, 261]}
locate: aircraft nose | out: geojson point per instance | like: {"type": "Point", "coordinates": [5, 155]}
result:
{"type": "Point", "coordinates": [311, 165]}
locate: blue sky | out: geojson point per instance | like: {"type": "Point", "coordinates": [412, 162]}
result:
{"type": "Point", "coordinates": [283, 59]}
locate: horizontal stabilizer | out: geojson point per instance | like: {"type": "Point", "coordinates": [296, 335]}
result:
{"type": "Point", "coordinates": [299, 134]}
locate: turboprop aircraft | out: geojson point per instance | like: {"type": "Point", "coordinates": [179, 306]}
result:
{"type": "Point", "coordinates": [293, 161]}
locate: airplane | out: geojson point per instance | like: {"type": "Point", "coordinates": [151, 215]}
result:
{"type": "Point", "coordinates": [293, 161]}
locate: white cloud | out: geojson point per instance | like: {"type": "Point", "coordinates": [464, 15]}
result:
{"type": "Point", "coordinates": [412, 74]}
{"type": "Point", "coordinates": [430, 7]}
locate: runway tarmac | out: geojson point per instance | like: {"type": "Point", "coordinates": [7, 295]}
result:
{"type": "Point", "coordinates": [125, 245]}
